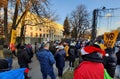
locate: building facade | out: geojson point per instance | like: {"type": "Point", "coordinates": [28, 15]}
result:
{"type": "Point", "coordinates": [38, 30]}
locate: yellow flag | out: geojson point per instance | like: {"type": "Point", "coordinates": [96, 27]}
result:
{"type": "Point", "coordinates": [13, 36]}
{"type": "Point", "coordinates": [110, 38]}
{"type": "Point", "coordinates": [102, 46]}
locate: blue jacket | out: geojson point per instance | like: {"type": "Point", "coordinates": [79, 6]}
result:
{"type": "Point", "coordinates": [60, 58]}
{"type": "Point", "coordinates": [13, 74]}
{"type": "Point", "coordinates": [46, 60]}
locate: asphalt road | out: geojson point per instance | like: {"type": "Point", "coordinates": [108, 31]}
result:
{"type": "Point", "coordinates": [35, 72]}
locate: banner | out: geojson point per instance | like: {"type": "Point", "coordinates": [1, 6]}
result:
{"type": "Point", "coordinates": [110, 38]}
{"type": "Point", "coordinates": [13, 36]}
{"type": "Point", "coordinates": [13, 74]}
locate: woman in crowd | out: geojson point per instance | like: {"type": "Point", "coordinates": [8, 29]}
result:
{"type": "Point", "coordinates": [60, 59]}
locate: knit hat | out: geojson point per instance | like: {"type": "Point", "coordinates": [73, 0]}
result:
{"type": "Point", "coordinates": [91, 49]}
{"type": "Point", "coordinates": [72, 44]}
{"type": "Point", "coordinates": [60, 47]}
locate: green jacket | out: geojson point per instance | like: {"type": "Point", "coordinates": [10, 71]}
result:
{"type": "Point", "coordinates": [106, 75]}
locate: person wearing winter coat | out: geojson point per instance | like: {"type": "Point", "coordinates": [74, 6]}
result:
{"type": "Point", "coordinates": [36, 47]}
{"type": "Point", "coordinates": [117, 70]}
{"type": "Point", "coordinates": [71, 52]}
{"type": "Point", "coordinates": [91, 67]}
{"type": "Point", "coordinates": [4, 65]}
{"type": "Point", "coordinates": [77, 47]}
{"type": "Point", "coordinates": [23, 59]}
{"type": "Point", "coordinates": [7, 53]}
{"type": "Point", "coordinates": [29, 51]}
{"type": "Point", "coordinates": [110, 61]}
{"type": "Point", "coordinates": [60, 59]}
{"type": "Point", "coordinates": [66, 50]}
{"type": "Point", "coordinates": [52, 47]}
{"type": "Point", "coordinates": [46, 60]}
{"type": "Point", "coordinates": [13, 49]}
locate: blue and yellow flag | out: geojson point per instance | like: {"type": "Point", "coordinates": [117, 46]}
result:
{"type": "Point", "coordinates": [110, 38]}
{"type": "Point", "coordinates": [13, 74]}
{"type": "Point", "coordinates": [13, 36]}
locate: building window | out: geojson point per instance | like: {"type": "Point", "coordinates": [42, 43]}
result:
{"type": "Point", "coordinates": [43, 35]}
{"type": "Point", "coordinates": [40, 35]}
{"type": "Point", "coordinates": [47, 35]}
{"type": "Point", "coordinates": [36, 34]}
{"type": "Point", "coordinates": [31, 34]}
{"type": "Point", "coordinates": [40, 29]}
{"type": "Point", "coordinates": [31, 28]}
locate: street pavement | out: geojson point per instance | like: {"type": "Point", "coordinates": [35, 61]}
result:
{"type": "Point", "coordinates": [35, 72]}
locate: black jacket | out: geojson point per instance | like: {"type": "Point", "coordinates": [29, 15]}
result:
{"type": "Point", "coordinates": [23, 58]}
{"type": "Point", "coordinates": [3, 65]}
{"type": "Point", "coordinates": [118, 57]}
{"type": "Point", "coordinates": [71, 52]}
{"type": "Point", "coordinates": [110, 62]}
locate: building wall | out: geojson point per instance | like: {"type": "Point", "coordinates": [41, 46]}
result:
{"type": "Point", "coordinates": [44, 31]}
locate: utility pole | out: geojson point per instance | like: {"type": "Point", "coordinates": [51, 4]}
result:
{"type": "Point", "coordinates": [94, 25]}
{"type": "Point", "coordinates": [96, 13]}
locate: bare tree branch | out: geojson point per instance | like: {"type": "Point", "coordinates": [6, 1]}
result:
{"type": "Point", "coordinates": [79, 20]}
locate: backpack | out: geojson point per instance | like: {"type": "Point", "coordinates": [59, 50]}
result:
{"type": "Point", "coordinates": [4, 65]}
{"type": "Point", "coordinates": [72, 52]}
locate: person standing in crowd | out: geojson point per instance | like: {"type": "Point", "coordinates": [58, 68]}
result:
{"type": "Point", "coordinates": [42, 45]}
{"type": "Point", "coordinates": [77, 47]}
{"type": "Point", "coordinates": [66, 50]}
{"type": "Point", "coordinates": [4, 65]}
{"type": "Point", "coordinates": [109, 61]}
{"type": "Point", "coordinates": [8, 55]}
{"type": "Point", "coordinates": [29, 51]}
{"type": "Point", "coordinates": [23, 59]}
{"type": "Point", "coordinates": [13, 49]}
{"type": "Point", "coordinates": [71, 53]}
{"type": "Point", "coordinates": [78, 53]}
{"type": "Point", "coordinates": [52, 47]}
{"type": "Point", "coordinates": [46, 60]}
{"type": "Point", "coordinates": [91, 67]}
{"type": "Point", "coordinates": [117, 70]}
{"type": "Point", "coordinates": [36, 47]}
{"type": "Point", "coordinates": [60, 59]}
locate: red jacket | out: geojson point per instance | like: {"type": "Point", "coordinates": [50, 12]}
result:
{"type": "Point", "coordinates": [89, 70]}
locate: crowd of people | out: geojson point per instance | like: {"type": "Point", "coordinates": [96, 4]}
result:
{"type": "Point", "coordinates": [102, 62]}
{"type": "Point", "coordinates": [23, 53]}
{"type": "Point", "coordinates": [98, 62]}
{"type": "Point", "coordinates": [95, 62]}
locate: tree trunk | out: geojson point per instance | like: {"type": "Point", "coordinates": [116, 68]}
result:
{"type": "Point", "coordinates": [22, 35]}
{"type": "Point", "coordinates": [15, 15]}
{"type": "Point", "coordinates": [7, 38]}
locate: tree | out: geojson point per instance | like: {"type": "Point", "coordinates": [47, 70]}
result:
{"type": "Point", "coordinates": [66, 25]}
{"type": "Point", "coordinates": [2, 3]}
{"type": "Point", "coordinates": [79, 21]}
{"type": "Point", "coordinates": [19, 8]}
{"type": "Point", "coordinates": [74, 33]}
